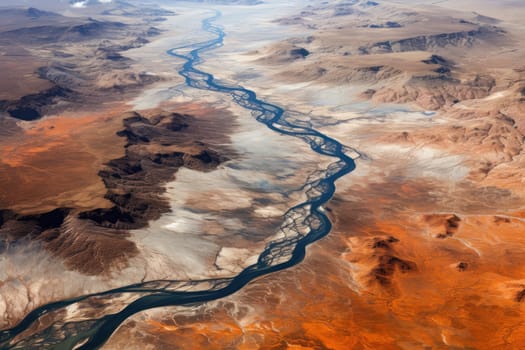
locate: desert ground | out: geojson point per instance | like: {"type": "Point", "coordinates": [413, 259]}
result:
{"type": "Point", "coordinates": [428, 229]}
{"type": "Point", "coordinates": [117, 172]}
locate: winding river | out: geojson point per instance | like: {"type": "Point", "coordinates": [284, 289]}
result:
{"type": "Point", "coordinates": [282, 253]}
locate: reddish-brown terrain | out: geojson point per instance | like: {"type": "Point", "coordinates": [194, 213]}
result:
{"type": "Point", "coordinates": [428, 233]}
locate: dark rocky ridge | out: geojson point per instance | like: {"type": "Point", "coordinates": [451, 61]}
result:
{"type": "Point", "coordinates": [435, 91]}
{"type": "Point", "coordinates": [48, 34]}
{"type": "Point", "coordinates": [388, 24]}
{"type": "Point", "coordinates": [32, 223]}
{"type": "Point", "coordinates": [135, 181]}
{"type": "Point", "coordinates": [16, 18]}
{"type": "Point", "coordinates": [370, 4]}
{"type": "Point", "coordinates": [132, 11]}
{"type": "Point", "coordinates": [436, 59]}
{"type": "Point", "coordinates": [30, 12]}
{"type": "Point", "coordinates": [92, 242]}
{"type": "Point", "coordinates": [31, 107]}
{"type": "Point", "coordinates": [387, 262]}
{"type": "Point", "coordinates": [445, 66]}
{"type": "Point", "coordinates": [431, 42]}
{"type": "Point", "coordinates": [299, 52]}
{"type": "Point", "coordinates": [386, 267]}
{"type": "Point", "coordinates": [520, 296]}
{"type": "Point", "coordinates": [451, 227]}
{"type": "Point", "coordinates": [74, 79]}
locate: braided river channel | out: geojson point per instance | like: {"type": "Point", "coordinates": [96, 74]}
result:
{"type": "Point", "coordinates": [303, 224]}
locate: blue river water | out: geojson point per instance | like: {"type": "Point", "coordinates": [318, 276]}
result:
{"type": "Point", "coordinates": [277, 255]}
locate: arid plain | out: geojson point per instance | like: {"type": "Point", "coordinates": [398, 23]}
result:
{"type": "Point", "coordinates": [115, 172]}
